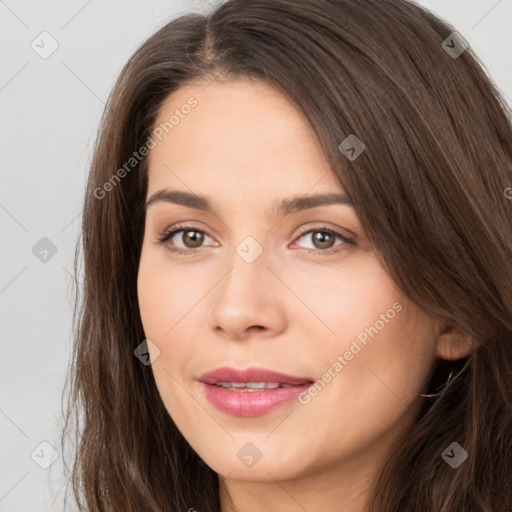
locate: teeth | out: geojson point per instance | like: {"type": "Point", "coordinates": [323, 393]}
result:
{"type": "Point", "coordinates": [249, 385]}
{"type": "Point", "coordinates": [261, 385]}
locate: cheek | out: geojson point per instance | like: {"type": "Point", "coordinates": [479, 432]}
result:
{"type": "Point", "coordinates": [168, 302]}
{"type": "Point", "coordinates": [381, 379]}
{"type": "Point", "coordinates": [166, 294]}
{"type": "Point", "coordinates": [163, 308]}
{"type": "Point", "coordinates": [348, 299]}
{"type": "Point", "coordinates": [370, 374]}
{"type": "Point", "coordinates": [377, 346]}
{"type": "Point", "coordinates": [391, 358]}
{"type": "Point", "coordinates": [157, 302]}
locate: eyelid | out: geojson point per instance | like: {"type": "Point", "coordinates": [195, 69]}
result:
{"type": "Point", "coordinates": [344, 233]}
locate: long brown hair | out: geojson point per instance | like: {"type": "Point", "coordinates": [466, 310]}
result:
{"type": "Point", "coordinates": [430, 190]}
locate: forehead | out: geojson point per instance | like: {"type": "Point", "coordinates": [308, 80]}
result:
{"type": "Point", "coordinates": [238, 132]}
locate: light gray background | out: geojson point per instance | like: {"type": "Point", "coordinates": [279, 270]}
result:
{"type": "Point", "coordinates": [49, 112]}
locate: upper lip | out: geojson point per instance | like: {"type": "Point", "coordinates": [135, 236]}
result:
{"type": "Point", "coordinates": [253, 374]}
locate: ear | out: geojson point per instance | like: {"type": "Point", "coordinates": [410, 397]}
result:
{"type": "Point", "coordinates": [454, 343]}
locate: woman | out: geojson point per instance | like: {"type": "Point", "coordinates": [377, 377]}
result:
{"type": "Point", "coordinates": [297, 283]}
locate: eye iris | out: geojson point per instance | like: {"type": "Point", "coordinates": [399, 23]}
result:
{"type": "Point", "coordinates": [320, 237]}
{"type": "Point", "coordinates": [196, 239]}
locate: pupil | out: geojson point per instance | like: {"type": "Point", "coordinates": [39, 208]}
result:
{"type": "Point", "coordinates": [196, 239]}
{"type": "Point", "coordinates": [320, 237]}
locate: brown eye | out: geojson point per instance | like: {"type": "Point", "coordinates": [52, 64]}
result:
{"type": "Point", "coordinates": [192, 238]}
{"type": "Point", "coordinates": [184, 238]}
{"type": "Point", "coordinates": [323, 239]}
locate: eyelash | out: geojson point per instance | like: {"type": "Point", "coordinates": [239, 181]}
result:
{"type": "Point", "coordinates": [167, 235]}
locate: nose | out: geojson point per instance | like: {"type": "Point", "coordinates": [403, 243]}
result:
{"type": "Point", "coordinates": [248, 301]}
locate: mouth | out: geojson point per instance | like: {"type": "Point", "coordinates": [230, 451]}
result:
{"type": "Point", "coordinates": [251, 391]}
{"type": "Point", "coordinates": [253, 377]}
{"type": "Point", "coordinates": [252, 386]}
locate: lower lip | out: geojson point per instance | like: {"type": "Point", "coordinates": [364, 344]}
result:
{"type": "Point", "coordinates": [251, 403]}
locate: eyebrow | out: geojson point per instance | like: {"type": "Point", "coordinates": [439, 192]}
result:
{"type": "Point", "coordinates": [286, 207]}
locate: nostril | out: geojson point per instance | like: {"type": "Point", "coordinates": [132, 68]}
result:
{"type": "Point", "coordinates": [257, 327]}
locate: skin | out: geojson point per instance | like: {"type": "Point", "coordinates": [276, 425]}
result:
{"type": "Point", "coordinates": [246, 148]}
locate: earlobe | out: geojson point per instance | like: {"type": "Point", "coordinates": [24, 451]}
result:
{"type": "Point", "coordinates": [454, 343]}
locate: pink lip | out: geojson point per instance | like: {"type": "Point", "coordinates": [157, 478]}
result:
{"type": "Point", "coordinates": [251, 403]}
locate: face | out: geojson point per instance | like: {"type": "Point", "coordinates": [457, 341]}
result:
{"type": "Point", "coordinates": [235, 273]}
